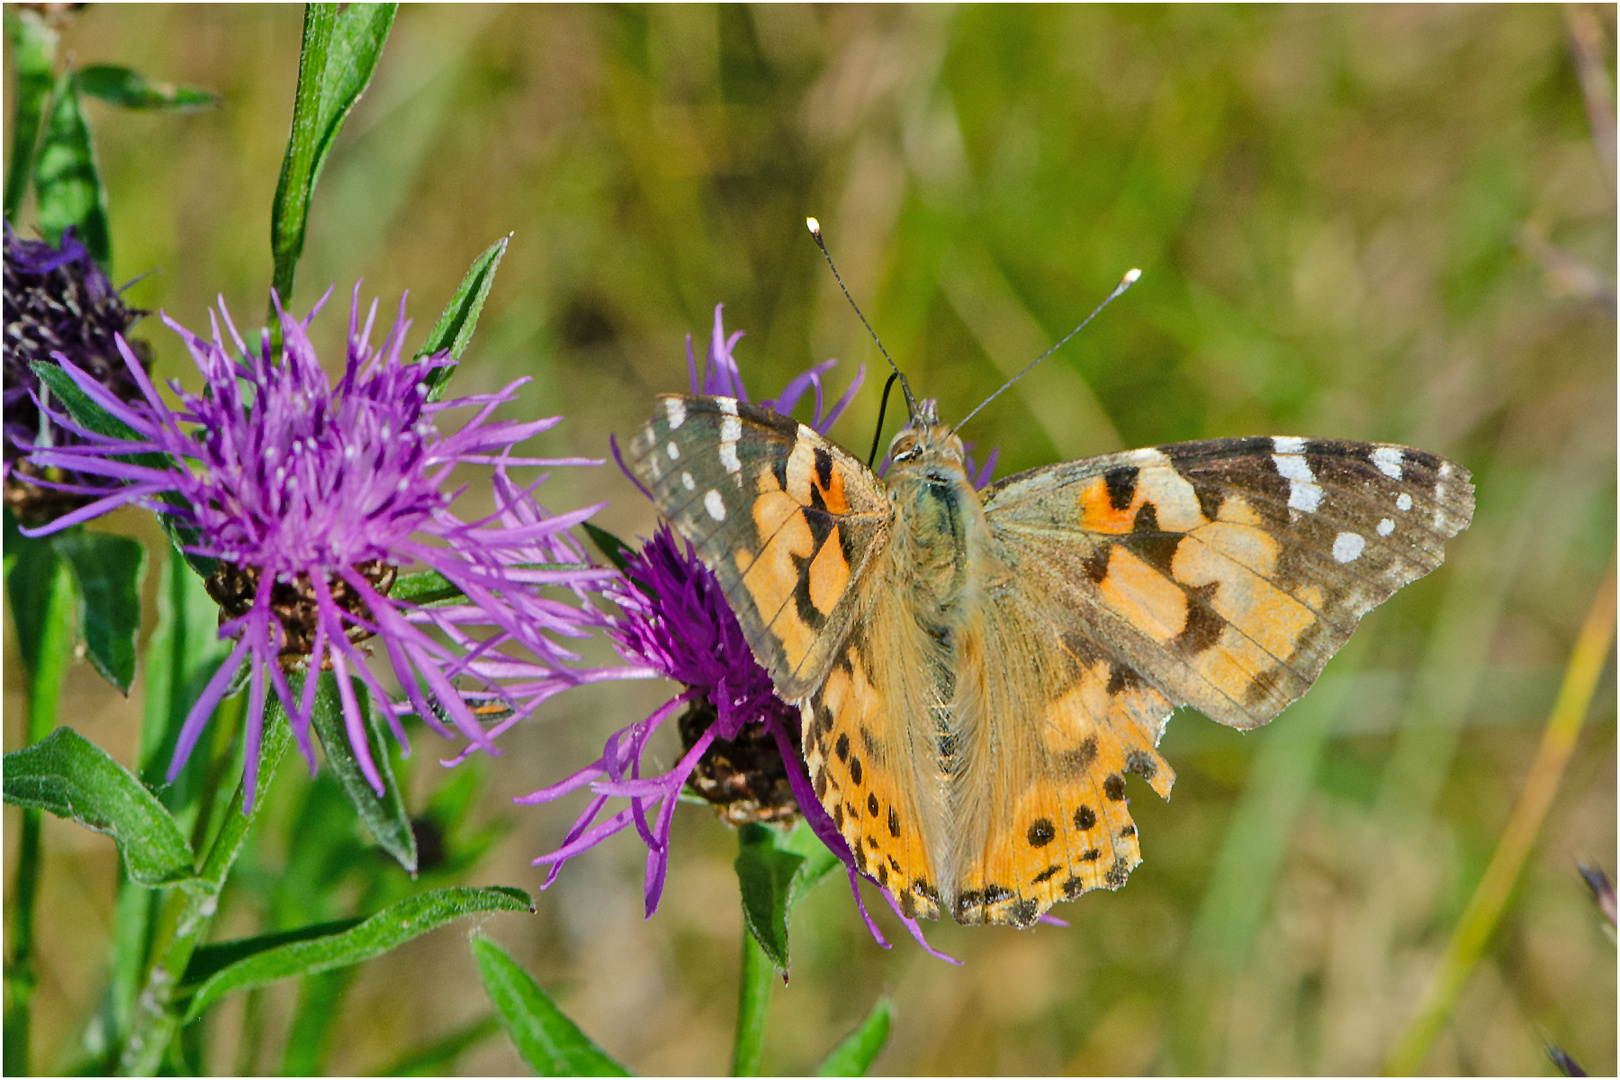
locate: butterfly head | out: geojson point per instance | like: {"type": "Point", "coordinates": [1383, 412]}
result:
{"type": "Point", "coordinates": [925, 439]}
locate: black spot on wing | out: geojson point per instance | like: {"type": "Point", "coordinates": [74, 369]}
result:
{"type": "Point", "coordinates": [1114, 787]}
{"type": "Point", "coordinates": [1085, 818]}
{"type": "Point", "coordinates": [1151, 544]}
{"type": "Point", "coordinates": [1041, 832]}
{"type": "Point", "coordinates": [1048, 874]}
{"type": "Point", "coordinates": [1121, 484]}
{"type": "Point", "coordinates": [824, 467]}
{"type": "Point", "coordinates": [1203, 627]}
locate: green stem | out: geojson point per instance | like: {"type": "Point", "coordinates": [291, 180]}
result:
{"type": "Point", "coordinates": [44, 689]}
{"type": "Point", "coordinates": [190, 910]}
{"type": "Point", "coordinates": [753, 1002]}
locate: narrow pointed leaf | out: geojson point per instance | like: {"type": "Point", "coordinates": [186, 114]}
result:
{"type": "Point", "coordinates": [210, 960]}
{"type": "Point", "coordinates": [388, 929]}
{"type": "Point", "coordinates": [764, 873]}
{"type": "Point", "coordinates": [455, 326]}
{"type": "Point", "coordinates": [32, 44]}
{"type": "Point", "coordinates": [385, 814]}
{"type": "Point", "coordinates": [549, 1042]}
{"type": "Point", "coordinates": [611, 547]}
{"type": "Point", "coordinates": [425, 587]}
{"type": "Point", "coordinates": [340, 52]}
{"type": "Point", "coordinates": [64, 394]}
{"type": "Point", "coordinates": [67, 180]}
{"type": "Point", "coordinates": [108, 570]}
{"type": "Point", "coordinates": [129, 89]}
{"type": "Point", "coordinates": [855, 1054]}
{"type": "Point", "coordinates": [75, 779]}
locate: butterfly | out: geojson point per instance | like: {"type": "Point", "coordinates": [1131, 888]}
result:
{"type": "Point", "coordinates": [978, 671]}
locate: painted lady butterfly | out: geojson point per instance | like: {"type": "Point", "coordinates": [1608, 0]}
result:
{"type": "Point", "coordinates": [978, 670]}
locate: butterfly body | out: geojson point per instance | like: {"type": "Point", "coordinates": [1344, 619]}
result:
{"type": "Point", "coordinates": [979, 670]}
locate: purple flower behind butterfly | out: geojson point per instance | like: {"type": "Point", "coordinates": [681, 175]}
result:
{"type": "Point", "coordinates": [740, 741]}
{"type": "Point", "coordinates": [309, 498]}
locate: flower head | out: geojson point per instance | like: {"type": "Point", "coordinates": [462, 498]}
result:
{"type": "Point", "coordinates": [311, 498]}
{"type": "Point", "coordinates": [57, 303]}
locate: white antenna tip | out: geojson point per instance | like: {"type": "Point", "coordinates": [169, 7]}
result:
{"type": "Point", "coordinates": [1131, 276]}
{"type": "Point", "coordinates": [815, 226]}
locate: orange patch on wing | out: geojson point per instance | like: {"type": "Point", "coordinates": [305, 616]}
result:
{"type": "Point", "coordinates": [829, 574]}
{"type": "Point", "coordinates": [772, 578]}
{"type": "Point", "coordinates": [1174, 502]}
{"type": "Point", "coordinates": [1146, 598]}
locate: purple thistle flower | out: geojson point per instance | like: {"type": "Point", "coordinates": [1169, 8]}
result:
{"type": "Point", "coordinates": [740, 741]}
{"type": "Point", "coordinates": [57, 303]}
{"type": "Point", "coordinates": [311, 498]}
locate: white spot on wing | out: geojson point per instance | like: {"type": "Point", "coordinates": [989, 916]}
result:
{"type": "Point", "coordinates": [1403, 501]}
{"type": "Point", "coordinates": [1288, 444]}
{"type": "Point", "coordinates": [674, 452]}
{"type": "Point", "coordinates": [1303, 491]}
{"type": "Point", "coordinates": [714, 505]}
{"type": "Point", "coordinates": [1347, 547]}
{"type": "Point", "coordinates": [675, 409]}
{"type": "Point", "coordinates": [727, 405]}
{"type": "Point", "coordinates": [730, 432]}
{"type": "Point", "coordinates": [1388, 459]}
{"type": "Point", "coordinates": [1385, 527]}
{"type": "Point", "coordinates": [687, 482]}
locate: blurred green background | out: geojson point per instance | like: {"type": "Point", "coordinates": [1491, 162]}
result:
{"type": "Point", "coordinates": [1389, 223]}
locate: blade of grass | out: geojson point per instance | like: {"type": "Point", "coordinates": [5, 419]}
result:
{"type": "Point", "coordinates": [1484, 910]}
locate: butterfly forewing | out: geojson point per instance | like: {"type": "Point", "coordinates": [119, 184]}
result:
{"type": "Point", "coordinates": [784, 518]}
{"type": "Point", "coordinates": [1228, 572]}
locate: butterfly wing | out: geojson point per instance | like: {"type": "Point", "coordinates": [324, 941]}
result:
{"type": "Point", "coordinates": [787, 521]}
{"type": "Point", "coordinates": [1222, 574]}
{"type": "Point", "coordinates": [1226, 573]}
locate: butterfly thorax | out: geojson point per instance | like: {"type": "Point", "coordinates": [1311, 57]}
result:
{"type": "Point", "coordinates": [938, 525]}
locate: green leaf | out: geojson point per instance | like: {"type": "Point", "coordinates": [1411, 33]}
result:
{"type": "Point", "coordinates": [75, 779]}
{"type": "Point", "coordinates": [388, 929]}
{"type": "Point", "coordinates": [129, 89]}
{"type": "Point", "coordinates": [383, 813]}
{"type": "Point", "coordinates": [339, 54]}
{"type": "Point", "coordinates": [108, 570]}
{"type": "Point", "coordinates": [33, 55]}
{"type": "Point", "coordinates": [426, 587]}
{"type": "Point", "coordinates": [455, 326]}
{"type": "Point", "coordinates": [86, 413]}
{"type": "Point", "coordinates": [611, 547]}
{"type": "Point", "coordinates": [854, 1055]}
{"type": "Point", "coordinates": [549, 1042]}
{"type": "Point", "coordinates": [210, 960]}
{"type": "Point", "coordinates": [436, 1058]}
{"type": "Point", "coordinates": [765, 872]}
{"type": "Point", "coordinates": [819, 861]}
{"type": "Point", "coordinates": [67, 180]}
{"type": "Point", "coordinates": [32, 567]}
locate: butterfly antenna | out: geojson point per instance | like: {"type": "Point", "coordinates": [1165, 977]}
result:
{"type": "Point", "coordinates": [1124, 283]}
{"type": "Point", "coordinates": [883, 407]}
{"type": "Point", "coordinates": [905, 388]}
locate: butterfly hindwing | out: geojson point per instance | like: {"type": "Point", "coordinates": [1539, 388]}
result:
{"type": "Point", "coordinates": [785, 519]}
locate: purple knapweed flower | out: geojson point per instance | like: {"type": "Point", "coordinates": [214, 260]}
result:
{"type": "Point", "coordinates": [312, 498]}
{"type": "Point", "coordinates": [57, 303]}
{"type": "Point", "coordinates": [740, 741]}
